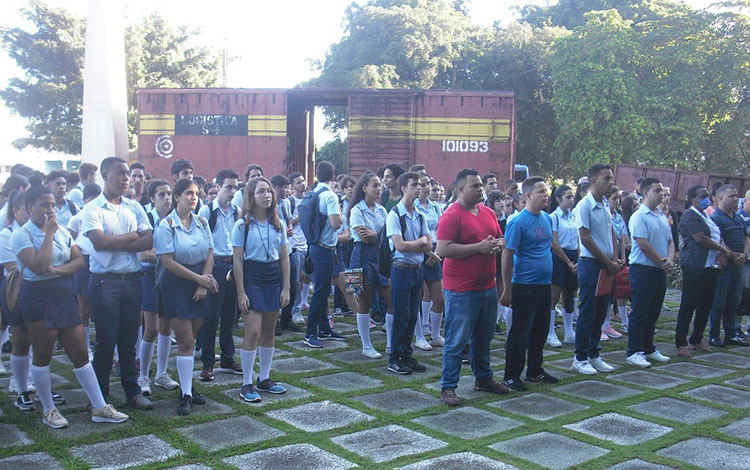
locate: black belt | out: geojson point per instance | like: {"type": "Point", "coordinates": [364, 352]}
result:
{"type": "Point", "coordinates": [404, 264]}
{"type": "Point", "coordinates": [223, 259]}
{"type": "Point", "coordinates": [121, 276]}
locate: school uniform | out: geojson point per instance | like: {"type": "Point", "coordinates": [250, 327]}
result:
{"type": "Point", "coordinates": [76, 194]}
{"type": "Point", "coordinates": [81, 277]}
{"type": "Point", "coordinates": [190, 247]}
{"type": "Point", "coordinates": [7, 255]}
{"type": "Point", "coordinates": [261, 266]}
{"type": "Point", "coordinates": [340, 265]}
{"type": "Point", "coordinates": [431, 213]}
{"type": "Point", "coordinates": [224, 302]}
{"type": "Point", "coordinates": [57, 307]}
{"type": "Point", "coordinates": [149, 296]}
{"type": "Point", "coordinates": [365, 255]}
{"type": "Point", "coordinates": [115, 290]}
{"type": "Point", "coordinates": [323, 255]}
{"type": "Point", "coordinates": [285, 212]}
{"type": "Point", "coordinates": [406, 280]}
{"type": "Point", "coordinates": [65, 212]}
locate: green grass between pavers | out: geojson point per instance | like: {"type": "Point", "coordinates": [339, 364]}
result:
{"type": "Point", "coordinates": [167, 428]}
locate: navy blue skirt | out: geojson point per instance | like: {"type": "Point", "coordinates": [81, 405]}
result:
{"type": "Point", "coordinates": [365, 256]}
{"type": "Point", "coordinates": [176, 296]}
{"type": "Point", "coordinates": [434, 272]}
{"type": "Point", "coordinates": [52, 301]}
{"type": "Point", "coordinates": [339, 265]}
{"type": "Point", "coordinates": [262, 285]}
{"type": "Point", "coordinates": [81, 279]}
{"type": "Point", "coordinates": [560, 271]}
{"type": "Point", "coordinates": [149, 298]}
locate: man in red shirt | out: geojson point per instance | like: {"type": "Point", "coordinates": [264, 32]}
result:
{"type": "Point", "coordinates": [469, 238]}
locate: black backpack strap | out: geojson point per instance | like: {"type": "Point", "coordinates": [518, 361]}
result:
{"type": "Point", "coordinates": [212, 218]}
{"type": "Point", "coordinates": [72, 207]}
{"type": "Point", "coordinates": [151, 219]}
{"type": "Point", "coordinates": [292, 204]}
{"type": "Point", "coordinates": [244, 241]}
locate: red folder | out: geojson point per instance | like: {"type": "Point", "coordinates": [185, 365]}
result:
{"type": "Point", "coordinates": [605, 282]}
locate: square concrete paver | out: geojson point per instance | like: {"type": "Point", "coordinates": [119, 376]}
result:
{"type": "Point", "coordinates": [620, 429]}
{"type": "Point", "coordinates": [737, 428]}
{"type": "Point", "coordinates": [192, 466]}
{"type": "Point", "coordinates": [648, 379]}
{"type": "Point", "coordinates": [741, 381]}
{"type": "Point", "coordinates": [550, 450]}
{"type": "Point", "coordinates": [301, 364]}
{"type": "Point", "coordinates": [344, 381]}
{"type": "Point", "coordinates": [305, 456]}
{"type": "Point", "coordinates": [691, 369]}
{"type": "Point", "coordinates": [460, 461]}
{"type": "Point", "coordinates": [33, 461]}
{"type": "Point", "coordinates": [230, 432]}
{"type": "Point", "coordinates": [465, 388]}
{"type": "Point", "coordinates": [168, 408]}
{"type": "Point", "coordinates": [719, 394]}
{"type": "Point", "coordinates": [677, 410]}
{"type": "Point", "coordinates": [292, 393]}
{"type": "Point", "coordinates": [12, 436]}
{"type": "Point", "coordinates": [726, 359]}
{"type": "Point", "coordinates": [601, 392]}
{"type": "Point", "coordinates": [538, 406]}
{"type": "Point", "coordinates": [637, 464]}
{"type": "Point", "coordinates": [709, 454]}
{"type": "Point", "coordinates": [320, 416]}
{"type": "Point", "coordinates": [387, 443]}
{"type": "Point", "coordinates": [398, 402]}
{"type": "Point", "coordinates": [468, 423]}
{"type": "Point", "coordinates": [81, 425]}
{"type": "Point", "coordinates": [126, 452]}
{"type": "Point", "coordinates": [355, 356]}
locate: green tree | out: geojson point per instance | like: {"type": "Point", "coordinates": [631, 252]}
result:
{"type": "Point", "coordinates": [333, 151]}
{"type": "Point", "coordinates": [50, 96]}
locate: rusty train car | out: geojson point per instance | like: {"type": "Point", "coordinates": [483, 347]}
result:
{"type": "Point", "coordinates": [231, 128]}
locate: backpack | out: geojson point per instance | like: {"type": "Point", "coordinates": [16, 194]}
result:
{"type": "Point", "coordinates": [311, 220]}
{"type": "Point", "coordinates": [215, 215]}
{"type": "Point", "coordinates": [385, 254]}
{"type": "Point", "coordinates": [72, 207]}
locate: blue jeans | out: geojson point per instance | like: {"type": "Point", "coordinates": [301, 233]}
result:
{"type": "Point", "coordinates": [406, 287]}
{"type": "Point", "coordinates": [592, 309]}
{"type": "Point", "coordinates": [317, 316]}
{"type": "Point", "coordinates": [469, 314]}
{"type": "Point", "coordinates": [529, 329]}
{"type": "Point", "coordinates": [648, 286]}
{"type": "Point", "coordinates": [726, 301]}
{"type": "Point", "coordinates": [116, 311]}
{"type": "Point", "coordinates": [223, 316]}
{"type": "Point", "coordinates": [299, 260]}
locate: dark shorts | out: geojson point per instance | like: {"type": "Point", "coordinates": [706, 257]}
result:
{"type": "Point", "coordinates": [434, 272]}
{"type": "Point", "coordinates": [176, 296]}
{"type": "Point", "coordinates": [149, 298]}
{"type": "Point", "coordinates": [263, 285]}
{"type": "Point", "coordinates": [562, 276]}
{"type": "Point", "coordinates": [365, 256]}
{"type": "Point", "coordinates": [81, 279]}
{"type": "Point", "coordinates": [52, 301]}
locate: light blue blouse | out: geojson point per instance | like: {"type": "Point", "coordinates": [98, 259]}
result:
{"type": "Point", "coordinates": [263, 240]}
{"type": "Point", "coordinates": [431, 214]}
{"type": "Point", "coordinates": [415, 227]}
{"type": "Point", "coordinates": [363, 216]}
{"type": "Point", "coordinates": [564, 224]}
{"type": "Point", "coordinates": [32, 236]}
{"type": "Point", "coordinates": [190, 246]}
{"type": "Point", "coordinates": [6, 254]}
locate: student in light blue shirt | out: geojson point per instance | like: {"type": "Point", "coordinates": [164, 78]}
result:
{"type": "Point", "coordinates": [281, 186]}
{"type": "Point", "coordinates": [47, 258]}
{"type": "Point", "coordinates": [409, 243]}
{"type": "Point", "coordinates": [261, 275]}
{"type": "Point", "coordinates": [184, 245]}
{"type": "Point", "coordinates": [251, 172]}
{"type": "Point", "coordinates": [64, 209]}
{"type": "Point", "coordinates": [87, 173]}
{"type": "Point", "coordinates": [564, 263]}
{"type": "Point", "coordinates": [159, 193]}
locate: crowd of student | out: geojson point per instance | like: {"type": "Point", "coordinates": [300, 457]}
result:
{"type": "Point", "coordinates": [153, 262]}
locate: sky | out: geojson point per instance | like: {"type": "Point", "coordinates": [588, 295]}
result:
{"type": "Point", "coordinates": [272, 42]}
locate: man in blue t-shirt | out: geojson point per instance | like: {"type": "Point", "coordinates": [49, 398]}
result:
{"type": "Point", "coordinates": [527, 276]}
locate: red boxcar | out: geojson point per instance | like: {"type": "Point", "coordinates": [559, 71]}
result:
{"type": "Point", "coordinates": [230, 128]}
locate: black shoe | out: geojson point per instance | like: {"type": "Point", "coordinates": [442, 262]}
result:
{"type": "Point", "coordinates": [544, 378]}
{"type": "Point", "coordinates": [716, 343]}
{"type": "Point", "coordinates": [277, 331]}
{"type": "Point", "coordinates": [378, 318]}
{"type": "Point", "coordinates": [498, 330]}
{"type": "Point", "coordinates": [331, 336]}
{"type": "Point", "coordinates": [291, 327]}
{"type": "Point", "coordinates": [7, 347]}
{"type": "Point", "coordinates": [186, 405]}
{"type": "Point", "coordinates": [466, 355]}
{"type": "Point", "coordinates": [397, 367]}
{"type": "Point", "coordinates": [515, 384]}
{"type": "Point", "coordinates": [412, 364]}
{"type": "Point", "coordinates": [736, 341]}
{"type": "Point", "coordinates": [198, 399]}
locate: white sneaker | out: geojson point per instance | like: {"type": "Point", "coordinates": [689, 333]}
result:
{"type": "Point", "coordinates": [553, 341]}
{"type": "Point", "coordinates": [54, 419]}
{"type": "Point", "coordinates": [599, 364]}
{"type": "Point", "coordinates": [583, 367]}
{"type": "Point", "coordinates": [638, 359]}
{"type": "Point", "coordinates": [423, 345]}
{"type": "Point", "coordinates": [657, 356]}
{"type": "Point", "coordinates": [165, 381]}
{"type": "Point", "coordinates": [14, 389]}
{"type": "Point", "coordinates": [145, 385]}
{"type": "Point", "coordinates": [108, 414]}
{"type": "Point", "coordinates": [570, 339]}
{"type": "Point", "coordinates": [437, 341]}
{"type": "Point", "coordinates": [371, 353]}
{"type": "Point", "coordinates": [298, 318]}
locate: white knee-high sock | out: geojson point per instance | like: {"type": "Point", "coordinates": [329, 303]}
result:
{"type": "Point", "coordinates": [162, 354]}
{"type": "Point", "coordinates": [363, 327]}
{"type": "Point", "coordinates": [19, 367]}
{"type": "Point", "coordinates": [435, 320]}
{"type": "Point", "coordinates": [147, 352]}
{"type": "Point", "coordinates": [568, 322]}
{"type": "Point", "coordinates": [43, 382]}
{"type": "Point", "coordinates": [265, 358]}
{"type": "Point", "coordinates": [305, 292]}
{"type": "Point", "coordinates": [138, 341]}
{"type": "Point", "coordinates": [623, 311]}
{"type": "Point", "coordinates": [426, 309]}
{"type": "Point", "coordinates": [87, 336]}
{"type": "Point", "coordinates": [87, 378]}
{"type": "Point", "coordinates": [418, 327]}
{"type": "Point", "coordinates": [607, 324]}
{"type": "Point", "coordinates": [248, 362]}
{"type": "Point", "coordinates": [551, 322]}
{"type": "Point", "coordinates": [388, 329]}
{"type": "Point", "coordinates": [185, 372]}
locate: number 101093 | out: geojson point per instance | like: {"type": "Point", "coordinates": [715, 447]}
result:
{"type": "Point", "coordinates": [465, 146]}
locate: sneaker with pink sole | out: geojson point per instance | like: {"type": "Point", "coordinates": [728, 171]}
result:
{"type": "Point", "coordinates": [611, 332]}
